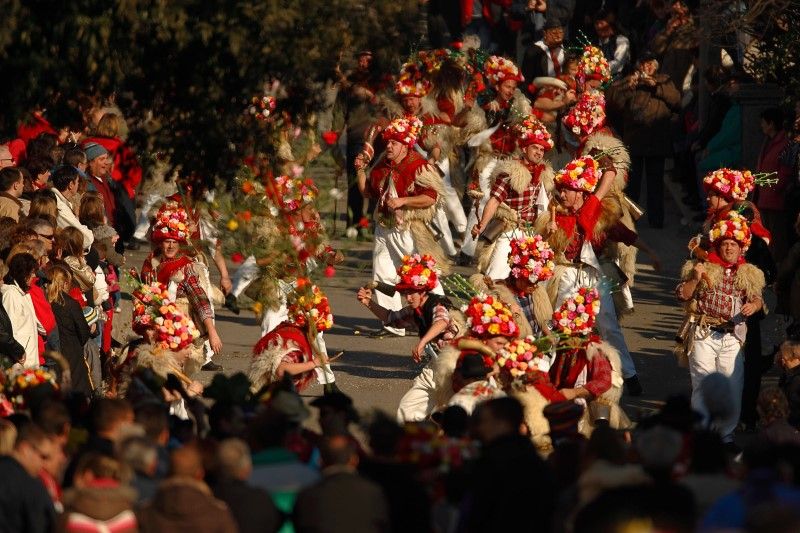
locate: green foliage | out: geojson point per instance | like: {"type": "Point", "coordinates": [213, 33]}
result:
{"type": "Point", "coordinates": [183, 71]}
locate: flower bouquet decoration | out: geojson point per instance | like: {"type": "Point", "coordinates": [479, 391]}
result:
{"type": "Point", "coordinates": [23, 387]}
{"type": "Point", "coordinates": [488, 317]}
{"type": "Point", "coordinates": [531, 258]}
{"type": "Point", "coordinates": [587, 116]}
{"type": "Point", "coordinates": [577, 315]}
{"type": "Point", "coordinates": [581, 174]}
{"type": "Point", "coordinates": [593, 65]}
{"type": "Point", "coordinates": [309, 307]}
{"type": "Point", "coordinates": [417, 273]}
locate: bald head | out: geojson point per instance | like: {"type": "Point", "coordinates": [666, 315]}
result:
{"type": "Point", "coordinates": [186, 462]}
{"type": "Point", "coordinates": [338, 451]}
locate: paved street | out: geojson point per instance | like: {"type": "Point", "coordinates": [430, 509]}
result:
{"type": "Point", "coordinates": [376, 372]}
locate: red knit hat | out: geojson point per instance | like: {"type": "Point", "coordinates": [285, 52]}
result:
{"type": "Point", "coordinates": [172, 222]}
{"type": "Point", "coordinates": [417, 273]}
{"type": "Point", "coordinates": [404, 130]}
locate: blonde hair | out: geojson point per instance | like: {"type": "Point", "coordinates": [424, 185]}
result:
{"type": "Point", "coordinates": [24, 247]}
{"type": "Point", "coordinates": [60, 282]}
{"type": "Point", "coordinates": [72, 242]}
{"type": "Point", "coordinates": [108, 125]}
{"type": "Point", "coordinates": [8, 436]}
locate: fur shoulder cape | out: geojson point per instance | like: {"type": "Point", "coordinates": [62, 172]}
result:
{"type": "Point", "coordinates": [617, 152]}
{"type": "Point", "coordinates": [519, 175]}
{"type": "Point", "coordinates": [267, 356]}
{"type": "Point", "coordinates": [611, 398]}
{"type": "Point", "coordinates": [418, 219]}
{"type": "Point", "coordinates": [749, 278]}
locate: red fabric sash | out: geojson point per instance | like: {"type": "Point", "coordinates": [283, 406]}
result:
{"type": "Point", "coordinates": [713, 257]}
{"type": "Point", "coordinates": [168, 267]}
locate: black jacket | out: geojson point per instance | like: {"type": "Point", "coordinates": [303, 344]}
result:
{"type": "Point", "coordinates": [251, 507]}
{"type": "Point", "coordinates": [25, 506]}
{"type": "Point", "coordinates": [73, 332]}
{"type": "Point", "coordinates": [9, 346]}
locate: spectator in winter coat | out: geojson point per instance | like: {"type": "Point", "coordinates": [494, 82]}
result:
{"type": "Point", "coordinates": [9, 347]}
{"type": "Point", "coordinates": [11, 187]}
{"type": "Point", "coordinates": [125, 167]}
{"type": "Point", "coordinates": [771, 198]}
{"type": "Point", "coordinates": [17, 303]}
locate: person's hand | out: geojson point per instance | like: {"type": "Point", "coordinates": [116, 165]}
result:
{"type": "Point", "coordinates": [750, 308]}
{"type": "Point", "coordinates": [552, 227]}
{"type": "Point", "coordinates": [170, 396]}
{"type": "Point", "coordinates": [364, 295]}
{"type": "Point", "coordinates": [570, 97]}
{"type": "Point", "coordinates": [417, 352]}
{"type": "Point", "coordinates": [215, 341]}
{"type": "Point", "coordinates": [195, 388]}
{"type": "Point", "coordinates": [699, 269]}
{"type": "Point", "coordinates": [647, 80]}
{"type": "Point", "coordinates": [114, 239]}
{"type": "Point", "coordinates": [226, 285]}
{"type": "Point", "coordinates": [476, 230]}
{"type": "Point", "coordinates": [569, 394]}
{"type": "Point", "coordinates": [494, 105]}
{"type": "Point", "coordinates": [395, 203]}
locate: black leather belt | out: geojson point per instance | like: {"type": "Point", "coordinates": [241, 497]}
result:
{"type": "Point", "coordinates": [723, 328]}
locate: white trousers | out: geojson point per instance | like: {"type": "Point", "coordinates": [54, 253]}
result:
{"type": "Point", "coordinates": [718, 352]}
{"type": "Point", "coordinates": [244, 276]}
{"type": "Point", "coordinates": [390, 247]}
{"type": "Point", "coordinates": [417, 403]}
{"type": "Point", "coordinates": [449, 211]}
{"type": "Point", "coordinates": [498, 263]}
{"type": "Point", "coordinates": [143, 220]}
{"type": "Point", "coordinates": [485, 185]}
{"type": "Point", "coordinates": [607, 322]}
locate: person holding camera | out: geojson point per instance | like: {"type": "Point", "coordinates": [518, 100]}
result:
{"type": "Point", "coordinates": [646, 100]}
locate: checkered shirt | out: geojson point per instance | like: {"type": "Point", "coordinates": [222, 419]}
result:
{"type": "Point", "coordinates": [525, 303]}
{"type": "Point", "coordinates": [723, 301]}
{"type": "Point", "coordinates": [524, 204]}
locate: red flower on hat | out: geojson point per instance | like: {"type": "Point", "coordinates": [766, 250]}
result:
{"type": "Point", "coordinates": [735, 227]}
{"type": "Point", "coordinates": [499, 69]}
{"type": "Point", "coordinates": [577, 314]}
{"type": "Point", "coordinates": [531, 131]}
{"type": "Point", "coordinates": [588, 115]}
{"type": "Point", "coordinates": [404, 130]}
{"type": "Point", "coordinates": [580, 174]}
{"type": "Point", "coordinates": [489, 317]}
{"type": "Point", "coordinates": [531, 258]}
{"type": "Point", "coordinates": [417, 273]}
{"type": "Point", "coordinates": [733, 185]}
{"type": "Point", "coordinates": [171, 222]}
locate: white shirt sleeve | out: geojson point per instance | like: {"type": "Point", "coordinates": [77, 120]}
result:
{"type": "Point", "coordinates": [100, 286]}
{"type": "Point", "coordinates": [66, 218]}
{"type": "Point", "coordinates": [622, 55]}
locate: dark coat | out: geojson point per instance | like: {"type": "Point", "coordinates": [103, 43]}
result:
{"type": "Point", "coordinates": [534, 64]}
{"type": "Point", "coordinates": [73, 332]}
{"type": "Point", "coordinates": [251, 507]}
{"type": "Point", "coordinates": [25, 506]}
{"type": "Point", "coordinates": [185, 504]}
{"type": "Point", "coordinates": [8, 344]}
{"type": "Point", "coordinates": [506, 467]}
{"type": "Point", "coordinates": [790, 385]}
{"type": "Point", "coordinates": [341, 502]}
{"type": "Point", "coordinates": [646, 112]}
{"type": "Point", "coordinates": [409, 506]}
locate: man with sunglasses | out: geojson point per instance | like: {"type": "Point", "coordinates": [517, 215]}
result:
{"type": "Point", "coordinates": [45, 232]}
{"type": "Point", "coordinates": [24, 502]}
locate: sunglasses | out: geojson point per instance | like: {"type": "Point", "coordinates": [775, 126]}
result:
{"type": "Point", "coordinates": [49, 237]}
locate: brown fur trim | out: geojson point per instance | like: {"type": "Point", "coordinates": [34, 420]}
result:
{"type": "Point", "coordinates": [474, 122]}
{"type": "Point", "coordinates": [620, 155]}
{"type": "Point", "coordinates": [618, 419]}
{"type": "Point", "coordinates": [750, 279]}
{"type": "Point", "coordinates": [533, 404]}
{"type": "Point", "coordinates": [610, 213]}
{"type": "Point", "coordinates": [485, 256]}
{"type": "Point", "coordinates": [552, 284]}
{"type": "Point", "coordinates": [391, 107]}
{"type": "Point", "coordinates": [519, 176]}
{"type": "Point", "coordinates": [443, 367]}
{"type": "Point", "coordinates": [520, 107]}
{"type": "Point", "coordinates": [164, 362]}
{"type": "Point", "coordinates": [547, 178]}
{"type": "Point", "coordinates": [507, 215]}
{"type": "Point", "coordinates": [263, 368]}
{"type": "Point", "coordinates": [425, 243]}
{"type": "Point", "coordinates": [500, 291]}
{"type": "Point", "coordinates": [542, 307]}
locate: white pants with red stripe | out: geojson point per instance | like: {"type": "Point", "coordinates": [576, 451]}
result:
{"type": "Point", "coordinates": [718, 352]}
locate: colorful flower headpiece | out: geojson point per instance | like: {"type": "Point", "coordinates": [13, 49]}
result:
{"type": "Point", "coordinates": [499, 69]}
{"type": "Point", "coordinates": [294, 193]}
{"type": "Point", "coordinates": [412, 81]}
{"type": "Point", "coordinates": [21, 383]}
{"type": "Point", "coordinates": [735, 227]}
{"type": "Point", "coordinates": [521, 358]}
{"type": "Point", "coordinates": [588, 115]}
{"type": "Point", "coordinates": [423, 446]}
{"type": "Point", "coordinates": [531, 258]}
{"type": "Point", "coordinates": [531, 131]}
{"type": "Point", "coordinates": [262, 107]}
{"type": "Point", "coordinates": [733, 185]}
{"type": "Point", "coordinates": [577, 314]}
{"type": "Point", "coordinates": [593, 65]}
{"type": "Point", "coordinates": [417, 273]}
{"type": "Point", "coordinates": [308, 306]}
{"type": "Point", "coordinates": [172, 222]}
{"type": "Point", "coordinates": [580, 174]}
{"type": "Point", "coordinates": [404, 130]}
{"type": "Point", "coordinates": [154, 310]}
{"type": "Point", "coordinates": [488, 317]}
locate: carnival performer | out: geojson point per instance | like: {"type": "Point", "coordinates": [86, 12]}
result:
{"type": "Point", "coordinates": [531, 265]}
{"type": "Point", "coordinates": [587, 369]}
{"type": "Point", "coordinates": [293, 347]}
{"type": "Point", "coordinates": [186, 278]}
{"type": "Point", "coordinates": [490, 130]}
{"type": "Point", "coordinates": [490, 323]}
{"type": "Point", "coordinates": [406, 189]}
{"type": "Point", "coordinates": [594, 71]}
{"type": "Point", "coordinates": [721, 292]}
{"type": "Point", "coordinates": [171, 344]}
{"type": "Point", "coordinates": [580, 224]}
{"type": "Point", "coordinates": [430, 314]}
{"type": "Point", "coordinates": [520, 192]}
{"type": "Point", "coordinates": [472, 384]}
